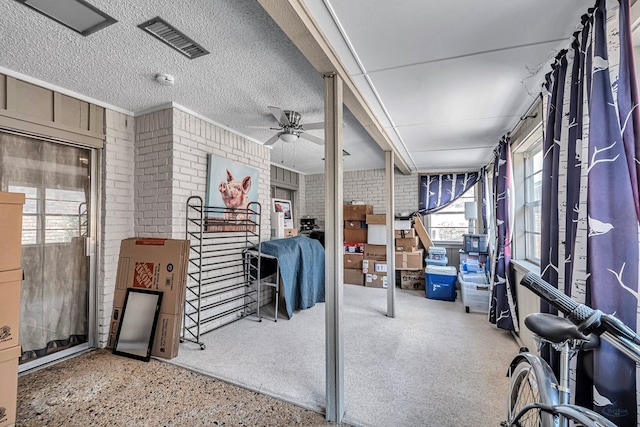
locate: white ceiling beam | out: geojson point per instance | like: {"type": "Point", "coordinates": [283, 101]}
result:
{"type": "Point", "coordinates": [295, 20]}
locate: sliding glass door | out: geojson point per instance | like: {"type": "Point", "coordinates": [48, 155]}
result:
{"type": "Point", "coordinates": [56, 294]}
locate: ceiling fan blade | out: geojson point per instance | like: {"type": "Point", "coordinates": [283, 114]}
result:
{"type": "Point", "coordinates": [272, 140]}
{"type": "Point", "coordinates": [280, 116]}
{"type": "Point", "coordinates": [312, 138]}
{"type": "Point", "coordinates": [312, 126]}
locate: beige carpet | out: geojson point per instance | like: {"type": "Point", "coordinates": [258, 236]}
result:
{"type": "Point", "coordinates": [101, 389]}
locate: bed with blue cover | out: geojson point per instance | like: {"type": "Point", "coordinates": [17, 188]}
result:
{"type": "Point", "coordinates": [301, 262]}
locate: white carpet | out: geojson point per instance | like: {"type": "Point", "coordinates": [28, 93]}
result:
{"type": "Point", "coordinates": [431, 365]}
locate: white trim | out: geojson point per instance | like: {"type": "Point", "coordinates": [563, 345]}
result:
{"type": "Point", "coordinates": [63, 91]}
{"type": "Point", "coordinates": [197, 115]}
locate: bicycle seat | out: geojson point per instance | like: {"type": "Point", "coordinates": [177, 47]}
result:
{"type": "Point", "coordinates": [557, 330]}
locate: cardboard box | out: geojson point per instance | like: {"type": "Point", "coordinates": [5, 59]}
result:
{"type": "Point", "coordinates": [356, 212]}
{"type": "Point", "coordinates": [353, 276]}
{"type": "Point", "coordinates": [405, 234]}
{"type": "Point", "coordinates": [353, 261]}
{"type": "Point", "coordinates": [9, 389]}
{"type": "Point", "coordinates": [422, 233]}
{"type": "Point", "coordinates": [411, 242]}
{"type": "Point", "coordinates": [374, 266]}
{"type": "Point", "coordinates": [375, 251]}
{"type": "Point", "coordinates": [411, 279]}
{"type": "Point", "coordinates": [151, 263]}
{"type": "Point", "coordinates": [290, 232]}
{"type": "Point", "coordinates": [355, 235]}
{"type": "Point", "coordinates": [167, 336]}
{"type": "Point", "coordinates": [376, 280]}
{"type": "Point", "coordinates": [11, 230]}
{"type": "Point", "coordinates": [409, 260]}
{"type": "Point", "coordinates": [355, 224]}
{"type": "Point", "coordinates": [353, 248]}
{"type": "Point", "coordinates": [377, 234]}
{"type": "Point", "coordinates": [380, 219]}
{"type": "Point", "coordinates": [10, 308]}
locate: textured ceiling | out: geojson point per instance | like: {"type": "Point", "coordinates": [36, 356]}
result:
{"type": "Point", "coordinates": [438, 79]}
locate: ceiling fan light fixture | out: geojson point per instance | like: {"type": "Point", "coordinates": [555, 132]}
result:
{"type": "Point", "coordinates": [289, 136]}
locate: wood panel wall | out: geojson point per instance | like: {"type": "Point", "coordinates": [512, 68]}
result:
{"type": "Point", "coordinates": [32, 109]}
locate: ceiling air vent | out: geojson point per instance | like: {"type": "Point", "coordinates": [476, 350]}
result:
{"type": "Point", "coordinates": [164, 32]}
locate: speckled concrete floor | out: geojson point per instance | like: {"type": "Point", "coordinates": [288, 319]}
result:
{"type": "Point", "coordinates": [101, 389]}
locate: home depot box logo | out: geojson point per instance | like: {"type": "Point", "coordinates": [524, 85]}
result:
{"type": "Point", "coordinates": [143, 276]}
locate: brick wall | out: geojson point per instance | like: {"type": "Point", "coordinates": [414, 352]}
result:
{"type": "Point", "coordinates": [118, 209]}
{"type": "Point", "coordinates": [366, 186]}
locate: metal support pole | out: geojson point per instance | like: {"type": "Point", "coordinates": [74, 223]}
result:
{"type": "Point", "coordinates": [391, 260]}
{"type": "Point", "coordinates": [333, 225]}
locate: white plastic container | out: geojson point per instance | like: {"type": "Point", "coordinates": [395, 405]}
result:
{"type": "Point", "coordinates": [475, 296]}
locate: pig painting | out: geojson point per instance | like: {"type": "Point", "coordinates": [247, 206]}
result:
{"type": "Point", "coordinates": [234, 196]}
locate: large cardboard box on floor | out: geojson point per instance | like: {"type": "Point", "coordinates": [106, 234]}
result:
{"type": "Point", "coordinates": [11, 230]}
{"type": "Point", "coordinates": [353, 276]}
{"type": "Point", "coordinates": [376, 280]}
{"type": "Point", "coordinates": [9, 308]}
{"type": "Point", "coordinates": [411, 279]}
{"type": "Point", "coordinates": [9, 385]}
{"type": "Point", "coordinates": [158, 264]}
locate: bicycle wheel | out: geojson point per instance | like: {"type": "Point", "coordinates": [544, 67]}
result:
{"type": "Point", "coordinates": [531, 381]}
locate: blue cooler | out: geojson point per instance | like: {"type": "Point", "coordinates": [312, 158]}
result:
{"type": "Point", "coordinates": [440, 282]}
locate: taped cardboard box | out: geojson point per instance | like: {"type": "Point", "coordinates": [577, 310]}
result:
{"type": "Point", "coordinates": [405, 234]}
{"type": "Point", "coordinates": [411, 279]}
{"type": "Point", "coordinates": [355, 235]}
{"type": "Point", "coordinates": [11, 230]}
{"type": "Point", "coordinates": [409, 260]}
{"type": "Point", "coordinates": [356, 212]}
{"type": "Point", "coordinates": [380, 219]}
{"type": "Point", "coordinates": [353, 276]}
{"type": "Point", "coordinates": [9, 385]}
{"type": "Point", "coordinates": [167, 336]}
{"type": "Point", "coordinates": [375, 251]}
{"type": "Point", "coordinates": [158, 264]}
{"type": "Point", "coordinates": [376, 280]}
{"type": "Point", "coordinates": [10, 308]}
{"type": "Point", "coordinates": [355, 224]}
{"type": "Point", "coordinates": [353, 261]}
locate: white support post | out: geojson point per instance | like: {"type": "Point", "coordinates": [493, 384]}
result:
{"type": "Point", "coordinates": [333, 276]}
{"type": "Point", "coordinates": [391, 257]}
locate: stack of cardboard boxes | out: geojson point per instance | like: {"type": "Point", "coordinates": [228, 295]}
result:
{"type": "Point", "coordinates": [158, 264]}
{"type": "Point", "coordinates": [355, 237]}
{"type": "Point", "coordinates": [374, 265]}
{"type": "Point", "coordinates": [10, 277]}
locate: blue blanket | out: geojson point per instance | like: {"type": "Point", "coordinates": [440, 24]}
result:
{"type": "Point", "coordinates": [301, 261]}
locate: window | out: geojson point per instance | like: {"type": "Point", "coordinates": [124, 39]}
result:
{"type": "Point", "coordinates": [449, 223]}
{"type": "Point", "coordinates": [55, 218]}
{"type": "Point", "coordinates": [532, 201]}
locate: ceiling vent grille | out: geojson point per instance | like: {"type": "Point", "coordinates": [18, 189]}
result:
{"type": "Point", "coordinates": [168, 34]}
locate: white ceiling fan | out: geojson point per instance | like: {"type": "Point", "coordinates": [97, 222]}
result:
{"type": "Point", "coordinates": [290, 128]}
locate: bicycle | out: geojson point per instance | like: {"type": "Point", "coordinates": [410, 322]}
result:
{"type": "Point", "coordinates": [536, 397]}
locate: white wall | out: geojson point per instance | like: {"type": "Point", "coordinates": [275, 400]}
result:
{"type": "Point", "coordinates": [151, 165]}
{"type": "Point", "coordinates": [367, 186]}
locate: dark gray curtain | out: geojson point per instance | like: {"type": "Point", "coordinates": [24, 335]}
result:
{"type": "Point", "coordinates": [502, 310]}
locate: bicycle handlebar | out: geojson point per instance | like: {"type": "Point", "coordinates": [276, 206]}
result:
{"type": "Point", "coordinates": [583, 316]}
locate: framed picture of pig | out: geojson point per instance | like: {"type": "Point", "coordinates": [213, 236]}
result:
{"type": "Point", "coordinates": [284, 206]}
{"type": "Point", "coordinates": [231, 186]}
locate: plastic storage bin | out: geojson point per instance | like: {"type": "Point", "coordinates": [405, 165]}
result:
{"type": "Point", "coordinates": [441, 261]}
{"type": "Point", "coordinates": [475, 242]}
{"type": "Point", "coordinates": [440, 282]}
{"type": "Point", "coordinates": [436, 252]}
{"type": "Point", "coordinates": [475, 292]}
